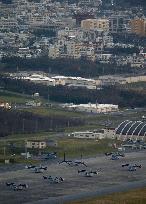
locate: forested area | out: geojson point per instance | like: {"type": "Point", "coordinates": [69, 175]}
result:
{"type": "Point", "coordinates": [126, 3]}
{"type": "Point", "coordinates": [72, 67]}
{"type": "Point", "coordinates": [26, 122]}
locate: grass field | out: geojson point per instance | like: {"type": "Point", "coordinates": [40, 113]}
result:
{"type": "Point", "coordinates": [72, 146]}
{"type": "Point", "coordinates": [12, 97]}
{"type": "Point", "coordinates": [137, 196]}
{"type": "Point", "coordinates": [76, 147]}
{"type": "Point", "coordinates": [44, 111]}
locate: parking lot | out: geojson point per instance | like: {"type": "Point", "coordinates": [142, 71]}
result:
{"type": "Point", "coordinates": [111, 174]}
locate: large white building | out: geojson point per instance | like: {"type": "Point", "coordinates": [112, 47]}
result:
{"type": "Point", "coordinates": [92, 108]}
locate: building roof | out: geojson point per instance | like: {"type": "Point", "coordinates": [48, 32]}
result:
{"type": "Point", "coordinates": [128, 127]}
{"type": "Point", "coordinates": [90, 105]}
{"type": "Point", "coordinates": [36, 140]}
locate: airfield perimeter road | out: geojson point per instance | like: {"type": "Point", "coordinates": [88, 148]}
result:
{"type": "Point", "coordinates": [112, 178]}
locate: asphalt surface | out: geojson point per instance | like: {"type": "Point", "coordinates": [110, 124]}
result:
{"type": "Point", "coordinates": [91, 194]}
{"type": "Point", "coordinates": [112, 178]}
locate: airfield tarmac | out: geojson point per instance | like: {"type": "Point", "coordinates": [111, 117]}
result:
{"type": "Point", "coordinates": [111, 175]}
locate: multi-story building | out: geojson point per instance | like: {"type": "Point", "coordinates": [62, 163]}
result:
{"type": "Point", "coordinates": [118, 23]}
{"type": "Point", "coordinates": [8, 24]}
{"type": "Point", "coordinates": [138, 26]}
{"type": "Point", "coordinates": [93, 24]}
{"type": "Point", "coordinates": [54, 51]}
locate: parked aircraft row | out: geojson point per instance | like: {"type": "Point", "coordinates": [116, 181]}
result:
{"type": "Point", "coordinates": [37, 169]}
{"type": "Point", "coordinates": [72, 163]}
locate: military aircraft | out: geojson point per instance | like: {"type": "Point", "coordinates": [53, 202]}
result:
{"type": "Point", "coordinates": [53, 180]}
{"type": "Point", "coordinates": [114, 157]}
{"type": "Point", "coordinates": [40, 169]}
{"type": "Point", "coordinates": [64, 160]}
{"type": "Point", "coordinates": [50, 155]}
{"type": "Point", "coordinates": [76, 163]}
{"type": "Point", "coordinates": [37, 169]}
{"type": "Point", "coordinates": [123, 165]}
{"type": "Point", "coordinates": [30, 167]}
{"type": "Point", "coordinates": [17, 187]}
{"type": "Point", "coordinates": [72, 163]}
{"type": "Point", "coordinates": [132, 167]}
{"type": "Point", "coordinates": [108, 153]}
{"type": "Point", "coordinates": [82, 171]}
{"type": "Point", "coordinates": [119, 154]}
{"type": "Point", "coordinates": [10, 184]}
{"type": "Point", "coordinates": [90, 173]}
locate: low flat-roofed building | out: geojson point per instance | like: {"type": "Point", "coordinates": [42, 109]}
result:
{"type": "Point", "coordinates": [36, 144]}
{"type": "Point", "coordinates": [98, 134]}
{"type": "Point", "coordinates": [92, 108]}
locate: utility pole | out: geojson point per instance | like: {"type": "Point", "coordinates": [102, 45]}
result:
{"type": "Point", "coordinates": [25, 149]}
{"type": "Point", "coordinates": [17, 68]}
{"type": "Point", "coordinates": [36, 125]}
{"type": "Point", "coordinates": [23, 125]}
{"type": "Point", "coordinates": [48, 95]}
{"type": "Point", "coordinates": [81, 157]}
{"type": "Point", "coordinates": [68, 124]}
{"type": "Point", "coordinates": [4, 149]}
{"type": "Point", "coordinates": [48, 98]}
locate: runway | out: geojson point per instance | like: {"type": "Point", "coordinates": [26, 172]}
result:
{"type": "Point", "coordinates": [112, 178]}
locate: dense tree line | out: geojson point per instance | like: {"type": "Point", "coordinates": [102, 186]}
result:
{"type": "Point", "coordinates": [72, 67]}
{"type": "Point", "coordinates": [111, 95]}
{"type": "Point", "coordinates": [44, 33]}
{"type": "Point", "coordinates": [26, 122]}
{"type": "Point", "coordinates": [130, 38]}
{"type": "Point", "coordinates": [123, 51]}
{"type": "Point", "coordinates": [6, 1]}
{"type": "Point", "coordinates": [125, 3]}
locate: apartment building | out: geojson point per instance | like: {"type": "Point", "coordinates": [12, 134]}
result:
{"type": "Point", "coordinates": [118, 23]}
{"type": "Point", "coordinates": [8, 24]}
{"type": "Point", "coordinates": [138, 26]}
{"type": "Point", "coordinates": [93, 24]}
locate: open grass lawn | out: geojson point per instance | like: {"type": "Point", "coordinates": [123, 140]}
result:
{"type": "Point", "coordinates": [44, 111]}
{"type": "Point", "coordinates": [137, 196]}
{"type": "Point", "coordinates": [86, 147]}
{"type": "Point", "coordinates": [72, 146]}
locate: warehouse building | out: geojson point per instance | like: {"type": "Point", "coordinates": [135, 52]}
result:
{"type": "Point", "coordinates": [133, 130]}
{"type": "Point", "coordinates": [98, 134]}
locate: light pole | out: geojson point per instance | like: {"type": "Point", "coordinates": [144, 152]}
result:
{"type": "Point", "coordinates": [23, 125]}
